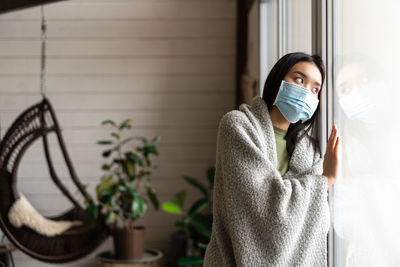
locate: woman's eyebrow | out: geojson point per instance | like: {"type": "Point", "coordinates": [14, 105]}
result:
{"type": "Point", "coordinates": [305, 76]}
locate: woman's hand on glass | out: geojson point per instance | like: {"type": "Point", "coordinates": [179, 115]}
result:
{"type": "Point", "coordinates": [332, 157]}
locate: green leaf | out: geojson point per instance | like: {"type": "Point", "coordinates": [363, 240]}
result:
{"type": "Point", "coordinates": [107, 153]}
{"type": "Point", "coordinates": [153, 198]}
{"type": "Point", "coordinates": [126, 206]}
{"type": "Point", "coordinates": [105, 167]}
{"type": "Point", "coordinates": [104, 195]}
{"type": "Point", "coordinates": [129, 168]}
{"type": "Point", "coordinates": [156, 139]}
{"type": "Point", "coordinates": [92, 212]}
{"type": "Point", "coordinates": [139, 207]}
{"type": "Point", "coordinates": [105, 184]}
{"type": "Point", "coordinates": [133, 157]}
{"type": "Point", "coordinates": [196, 184]}
{"type": "Point", "coordinates": [116, 135]}
{"type": "Point", "coordinates": [109, 122]}
{"type": "Point", "coordinates": [190, 260]}
{"type": "Point", "coordinates": [201, 225]}
{"type": "Point", "coordinates": [121, 188]}
{"type": "Point", "coordinates": [202, 245]}
{"type": "Point", "coordinates": [172, 208]}
{"type": "Point", "coordinates": [105, 142]}
{"type": "Point", "coordinates": [181, 226]}
{"type": "Point", "coordinates": [211, 175]}
{"type": "Point", "coordinates": [179, 199]}
{"type": "Point", "coordinates": [132, 191]}
{"type": "Point", "coordinates": [150, 150]}
{"type": "Point", "coordinates": [112, 200]}
{"type": "Point", "coordinates": [126, 124]}
{"type": "Point", "coordinates": [118, 161]}
{"type": "Point", "coordinates": [198, 206]}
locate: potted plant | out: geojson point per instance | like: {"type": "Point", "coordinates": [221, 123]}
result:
{"type": "Point", "coordinates": [195, 223]}
{"type": "Point", "coordinates": [125, 189]}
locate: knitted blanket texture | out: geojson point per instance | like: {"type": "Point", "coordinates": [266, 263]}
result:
{"type": "Point", "coordinates": [259, 217]}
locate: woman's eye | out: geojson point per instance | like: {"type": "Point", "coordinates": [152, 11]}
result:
{"type": "Point", "coordinates": [316, 89]}
{"type": "Point", "coordinates": [299, 79]}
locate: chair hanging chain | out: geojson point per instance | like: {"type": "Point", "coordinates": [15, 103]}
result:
{"type": "Point", "coordinates": [43, 38]}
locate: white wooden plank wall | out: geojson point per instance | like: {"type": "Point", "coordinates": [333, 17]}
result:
{"type": "Point", "coordinates": [169, 64]}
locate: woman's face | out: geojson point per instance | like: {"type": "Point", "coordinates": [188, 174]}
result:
{"type": "Point", "coordinates": [307, 75]}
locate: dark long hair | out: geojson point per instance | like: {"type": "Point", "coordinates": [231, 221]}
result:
{"type": "Point", "coordinates": [271, 88]}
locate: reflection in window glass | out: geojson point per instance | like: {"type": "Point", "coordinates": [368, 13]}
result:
{"type": "Point", "coordinates": [366, 196]}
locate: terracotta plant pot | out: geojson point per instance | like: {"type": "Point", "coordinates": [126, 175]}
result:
{"type": "Point", "coordinates": [129, 244]}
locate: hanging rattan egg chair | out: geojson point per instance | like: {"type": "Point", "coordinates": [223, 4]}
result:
{"type": "Point", "coordinates": [37, 122]}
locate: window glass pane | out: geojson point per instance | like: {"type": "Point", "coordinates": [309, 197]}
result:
{"type": "Point", "coordinates": [366, 196]}
{"type": "Point", "coordinates": [298, 26]}
{"type": "Point", "coordinates": [268, 38]}
{"type": "Point", "coordinates": [295, 27]}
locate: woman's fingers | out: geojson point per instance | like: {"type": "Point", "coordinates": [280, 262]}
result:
{"type": "Point", "coordinates": [332, 155]}
{"type": "Point", "coordinates": [331, 136]}
{"type": "Point", "coordinates": [330, 140]}
{"type": "Point", "coordinates": [333, 139]}
{"type": "Point", "coordinates": [337, 143]}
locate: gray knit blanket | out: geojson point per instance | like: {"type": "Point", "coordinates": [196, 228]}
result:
{"type": "Point", "coordinates": [259, 217]}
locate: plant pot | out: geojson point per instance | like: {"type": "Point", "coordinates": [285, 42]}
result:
{"type": "Point", "coordinates": [178, 247]}
{"type": "Point", "coordinates": [129, 243]}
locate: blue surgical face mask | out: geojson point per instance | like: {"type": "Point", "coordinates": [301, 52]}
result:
{"type": "Point", "coordinates": [295, 102]}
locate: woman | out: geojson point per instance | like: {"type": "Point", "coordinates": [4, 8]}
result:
{"type": "Point", "coordinates": [270, 190]}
